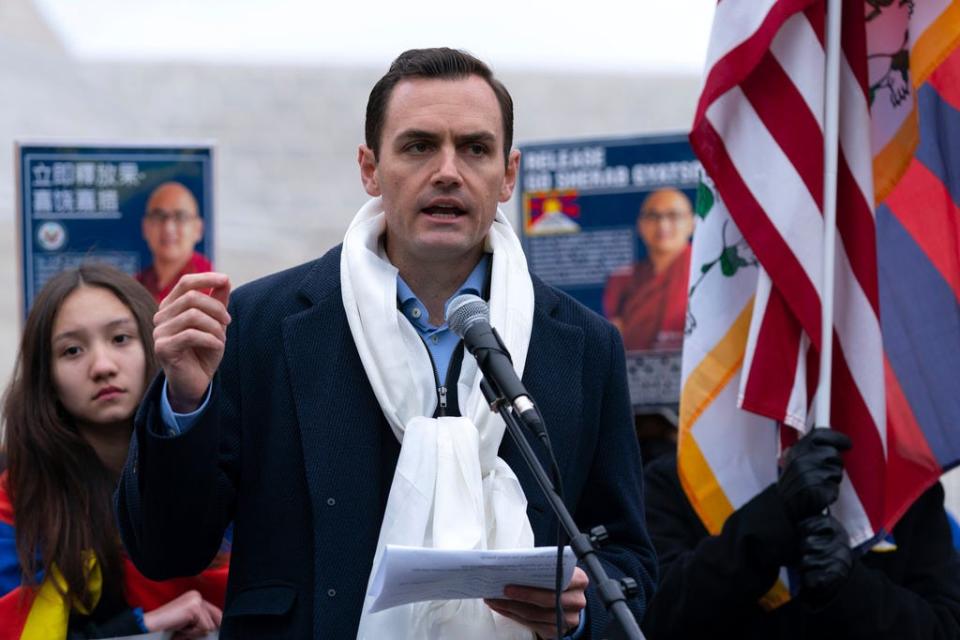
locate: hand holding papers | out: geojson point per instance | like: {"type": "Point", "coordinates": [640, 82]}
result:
{"type": "Point", "coordinates": [413, 574]}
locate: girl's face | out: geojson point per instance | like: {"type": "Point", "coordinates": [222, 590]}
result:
{"type": "Point", "coordinates": [98, 358]}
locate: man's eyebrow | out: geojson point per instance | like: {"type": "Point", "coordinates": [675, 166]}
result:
{"type": "Point", "coordinates": [466, 138]}
{"type": "Point", "coordinates": [416, 134]}
{"type": "Point", "coordinates": [161, 210]}
{"type": "Point", "coordinates": [477, 136]}
{"type": "Point", "coordinates": [666, 210]}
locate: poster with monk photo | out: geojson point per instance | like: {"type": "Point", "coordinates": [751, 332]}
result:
{"type": "Point", "coordinates": [146, 209]}
{"type": "Point", "coordinates": [609, 222]}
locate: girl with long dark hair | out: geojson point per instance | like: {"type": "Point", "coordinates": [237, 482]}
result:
{"type": "Point", "coordinates": [85, 359]}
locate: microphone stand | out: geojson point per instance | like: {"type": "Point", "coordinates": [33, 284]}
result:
{"type": "Point", "coordinates": [622, 625]}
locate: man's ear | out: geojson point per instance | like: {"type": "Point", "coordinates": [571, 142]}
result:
{"type": "Point", "coordinates": [510, 176]}
{"type": "Point", "coordinates": [367, 160]}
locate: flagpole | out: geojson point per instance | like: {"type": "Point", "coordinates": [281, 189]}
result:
{"type": "Point", "coordinates": [831, 136]}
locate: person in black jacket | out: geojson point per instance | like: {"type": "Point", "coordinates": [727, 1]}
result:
{"type": "Point", "coordinates": [710, 586]}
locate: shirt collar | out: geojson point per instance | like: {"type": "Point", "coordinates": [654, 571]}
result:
{"type": "Point", "coordinates": [473, 284]}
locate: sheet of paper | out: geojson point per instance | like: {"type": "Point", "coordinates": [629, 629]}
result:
{"type": "Point", "coordinates": [414, 574]}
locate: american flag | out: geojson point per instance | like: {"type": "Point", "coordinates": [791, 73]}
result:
{"type": "Point", "coordinates": [754, 334]}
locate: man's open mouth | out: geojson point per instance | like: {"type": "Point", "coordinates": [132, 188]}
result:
{"type": "Point", "coordinates": [444, 211]}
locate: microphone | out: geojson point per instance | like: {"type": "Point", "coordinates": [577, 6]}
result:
{"type": "Point", "coordinates": [468, 316]}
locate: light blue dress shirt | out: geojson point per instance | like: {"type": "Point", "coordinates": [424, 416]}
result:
{"type": "Point", "coordinates": [440, 340]}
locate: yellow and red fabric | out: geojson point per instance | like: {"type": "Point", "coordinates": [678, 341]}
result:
{"type": "Point", "coordinates": [41, 613]}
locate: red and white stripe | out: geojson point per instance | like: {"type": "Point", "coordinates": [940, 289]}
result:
{"type": "Point", "coordinates": [759, 134]}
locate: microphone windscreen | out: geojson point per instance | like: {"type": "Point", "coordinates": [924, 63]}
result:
{"type": "Point", "coordinates": [465, 310]}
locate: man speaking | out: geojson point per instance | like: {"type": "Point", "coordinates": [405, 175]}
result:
{"type": "Point", "coordinates": [331, 411]}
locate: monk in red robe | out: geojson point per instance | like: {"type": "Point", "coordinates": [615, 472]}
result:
{"type": "Point", "coordinates": [648, 300]}
{"type": "Point", "coordinates": [172, 227]}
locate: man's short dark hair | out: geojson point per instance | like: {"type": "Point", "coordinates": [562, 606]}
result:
{"type": "Point", "coordinates": [436, 63]}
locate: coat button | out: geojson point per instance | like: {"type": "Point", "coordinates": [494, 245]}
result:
{"type": "Point", "coordinates": [331, 502]}
{"type": "Point", "coordinates": [331, 592]}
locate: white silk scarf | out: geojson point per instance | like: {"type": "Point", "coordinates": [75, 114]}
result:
{"type": "Point", "coordinates": [449, 490]}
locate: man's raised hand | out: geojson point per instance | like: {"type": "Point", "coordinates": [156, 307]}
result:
{"type": "Point", "coordinates": [190, 335]}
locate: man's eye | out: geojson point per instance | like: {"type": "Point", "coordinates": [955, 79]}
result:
{"type": "Point", "coordinates": [477, 149]}
{"type": "Point", "coordinates": [418, 147]}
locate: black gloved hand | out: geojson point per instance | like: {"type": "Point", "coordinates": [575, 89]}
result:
{"type": "Point", "coordinates": [825, 558]}
{"type": "Point", "coordinates": [811, 476]}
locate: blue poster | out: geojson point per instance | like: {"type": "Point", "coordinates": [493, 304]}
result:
{"type": "Point", "coordinates": [147, 210]}
{"type": "Point", "coordinates": [609, 221]}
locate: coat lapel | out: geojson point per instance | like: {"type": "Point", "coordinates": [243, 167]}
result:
{"type": "Point", "coordinates": [553, 371]}
{"type": "Point", "coordinates": [346, 454]}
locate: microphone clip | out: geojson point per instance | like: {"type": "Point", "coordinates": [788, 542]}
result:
{"type": "Point", "coordinates": [495, 400]}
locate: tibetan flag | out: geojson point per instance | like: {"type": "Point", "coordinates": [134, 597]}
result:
{"type": "Point", "coordinates": [551, 212]}
{"type": "Point", "coordinates": [918, 235]}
